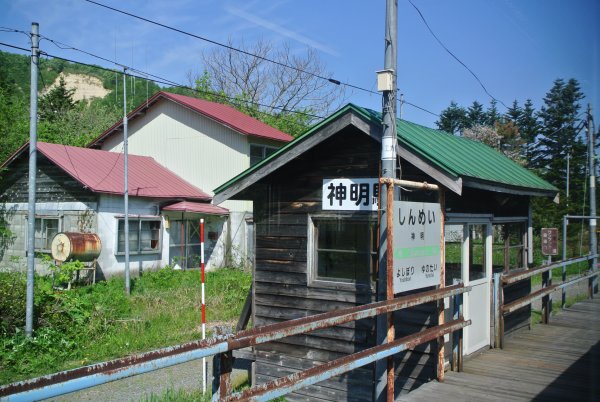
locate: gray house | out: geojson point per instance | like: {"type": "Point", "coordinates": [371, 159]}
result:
{"type": "Point", "coordinates": [81, 190]}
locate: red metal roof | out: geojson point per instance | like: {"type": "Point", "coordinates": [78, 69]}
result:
{"type": "Point", "coordinates": [197, 207]}
{"type": "Point", "coordinates": [103, 171]}
{"type": "Point", "coordinates": [219, 112]}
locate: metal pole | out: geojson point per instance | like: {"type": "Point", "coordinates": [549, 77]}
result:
{"type": "Point", "coordinates": [593, 283]}
{"type": "Point", "coordinates": [564, 257]}
{"type": "Point", "coordinates": [126, 185]}
{"type": "Point", "coordinates": [568, 178]}
{"type": "Point", "coordinates": [33, 102]}
{"type": "Point", "coordinates": [388, 168]}
{"type": "Point", "coordinates": [440, 306]}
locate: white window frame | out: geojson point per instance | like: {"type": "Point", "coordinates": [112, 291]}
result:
{"type": "Point", "coordinates": [137, 226]}
{"type": "Point", "coordinates": [312, 257]}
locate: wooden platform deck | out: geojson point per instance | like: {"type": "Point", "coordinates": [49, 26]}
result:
{"type": "Point", "coordinates": [555, 362]}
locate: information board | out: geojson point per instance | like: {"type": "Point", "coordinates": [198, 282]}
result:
{"type": "Point", "coordinates": [350, 194]}
{"type": "Point", "coordinates": [549, 241]}
{"type": "Point", "coordinates": [417, 237]}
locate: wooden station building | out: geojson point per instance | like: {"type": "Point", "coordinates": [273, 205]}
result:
{"type": "Point", "coordinates": [314, 255]}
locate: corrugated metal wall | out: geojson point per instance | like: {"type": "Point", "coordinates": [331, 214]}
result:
{"type": "Point", "coordinates": [198, 149]}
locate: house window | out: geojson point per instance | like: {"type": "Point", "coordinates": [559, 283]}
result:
{"type": "Point", "coordinates": [144, 236]}
{"type": "Point", "coordinates": [260, 152]}
{"type": "Point", "coordinates": [184, 247]}
{"type": "Point", "coordinates": [45, 230]}
{"type": "Point", "coordinates": [344, 249]}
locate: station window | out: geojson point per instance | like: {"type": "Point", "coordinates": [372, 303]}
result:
{"type": "Point", "coordinates": [344, 250]}
{"type": "Point", "coordinates": [144, 236]}
{"type": "Point", "coordinates": [509, 246]}
{"type": "Point", "coordinates": [260, 152]}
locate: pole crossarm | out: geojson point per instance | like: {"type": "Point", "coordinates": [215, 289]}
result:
{"type": "Point", "coordinates": [409, 184]}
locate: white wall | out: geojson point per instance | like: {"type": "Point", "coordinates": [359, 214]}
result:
{"type": "Point", "coordinates": [109, 209]}
{"type": "Point", "coordinates": [198, 149]}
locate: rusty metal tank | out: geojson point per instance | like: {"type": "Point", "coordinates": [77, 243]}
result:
{"type": "Point", "coordinates": [76, 246]}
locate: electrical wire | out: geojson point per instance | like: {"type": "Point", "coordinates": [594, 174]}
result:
{"type": "Point", "coordinates": [165, 81]}
{"type": "Point", "coordinates": [454, 56]}
{"type": "Point", "coordinates": [214, 42]}
{"type": "Point", "coordinates": [420, 108]}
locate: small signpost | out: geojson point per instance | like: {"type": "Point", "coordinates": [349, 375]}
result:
{"type": "Point", "coordinates": [549, 241]}
{"type": "Point", "coordinates": [417, 233]}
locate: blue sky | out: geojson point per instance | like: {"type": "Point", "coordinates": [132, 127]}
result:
{"type": "Point", "coordinates": [516, 47]}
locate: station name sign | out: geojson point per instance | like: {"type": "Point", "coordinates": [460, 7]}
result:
{"type": "Point", "coordinates": [417, 237]}
{"type": "Point", "coordinates": [350, 194]}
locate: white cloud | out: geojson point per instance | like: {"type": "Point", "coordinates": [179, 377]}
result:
{"type": "Point", "coordinates": [280, 30]}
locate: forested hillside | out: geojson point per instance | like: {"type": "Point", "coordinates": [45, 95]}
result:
{"type": "Point", "coordinates": [62, 119]}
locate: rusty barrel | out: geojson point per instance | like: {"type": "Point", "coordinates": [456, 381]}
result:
{"type": "Point", "coordinates": [76, 246]}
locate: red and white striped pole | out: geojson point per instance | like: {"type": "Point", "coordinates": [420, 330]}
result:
{"type": "Point", "coordinates": [204, 373]}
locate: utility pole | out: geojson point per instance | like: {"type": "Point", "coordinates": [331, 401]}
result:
{"type": "Point", "coordinates": [33, 106]}
{"type": "Point", "coordinates": [568, 176]}
{"type": "Point", "coordinates": [126, 185]}
{"type": "Point", "coordinates": [592, 161]}
{"type": "Point", "coordinates": [386, 84]}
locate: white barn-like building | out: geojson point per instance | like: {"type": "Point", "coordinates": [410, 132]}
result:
{"type": "Point", "coordinates": [206, 144]}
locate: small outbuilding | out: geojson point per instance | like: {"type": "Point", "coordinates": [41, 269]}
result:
{"type": "Point", "coordinates": [315, 213]}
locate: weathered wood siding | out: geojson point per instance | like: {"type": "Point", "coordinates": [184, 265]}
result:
{"type": "Point", "coordinates": [58, 196]}
{"type": "Point", "coordinates": [283, 206]}
{"type": "Point", "coordinates": [53, 184]}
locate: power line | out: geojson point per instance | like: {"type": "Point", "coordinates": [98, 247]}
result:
{"type": "Point", "coordinates": [15, 47]}
{"type": "Point", "coordinates": [331, 80]}
{"type": "Point", "coordinates": [165, 81]}
{"type": "Point", "coordinates": [421, 108]}
{"type": "Point", "coordinates": [454, 56]}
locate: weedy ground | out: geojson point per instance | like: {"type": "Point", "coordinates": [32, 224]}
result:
{"type": "Point", "coordinates": [96, 323]}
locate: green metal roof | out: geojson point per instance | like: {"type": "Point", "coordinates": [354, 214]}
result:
{"type": "Point", "coordinates": [457, 156]}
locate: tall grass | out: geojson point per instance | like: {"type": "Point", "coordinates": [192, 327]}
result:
{"type": "Point", "coordinates": [97, 323]}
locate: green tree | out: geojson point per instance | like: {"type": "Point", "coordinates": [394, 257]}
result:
{"type": "Point", "coordinates": [491, 115]}
{"type": "Point", "coordinates": [14, 123]}
{"type": "Point", "coordinates": [529, 127]}
{"type": "Point", "coordinates": [453, 119]}
{"type": "Point", "coordinates": [559, 137]}
{"type": "Point", "coordinates": [475, 115]}
{"type": "Point", "coordinates": [57, 102]}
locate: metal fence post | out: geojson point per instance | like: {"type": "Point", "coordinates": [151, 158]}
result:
{"type": "Point", "coordinates": [547, 300]}
{"type": "Point", "coordinates": [457, 336]}
{"type": "Point", "coordinates": [497, 309]}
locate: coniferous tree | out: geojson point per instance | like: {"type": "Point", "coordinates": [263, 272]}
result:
{"type": "Point", "coordinates": [529, 127]}
{"type": "Point", "coordinates": [476, 116]}
{"type": "Point", "coordinates": [453, 119]}
{"type": "Point", "coordinates": [492, 115]}
{"type": "Point", "coordinates": [57, 102]}
{"type": "Point", "coordinates": [559, 136]}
